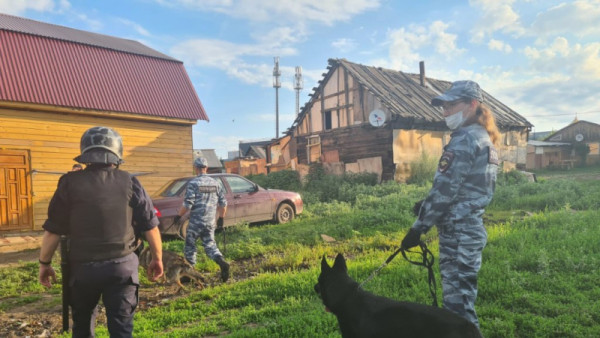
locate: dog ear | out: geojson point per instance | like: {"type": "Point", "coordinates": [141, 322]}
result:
{"type": "Point", "coordinates": [340, 262]}
{"type": "Point", "coordinates": [324, 264]}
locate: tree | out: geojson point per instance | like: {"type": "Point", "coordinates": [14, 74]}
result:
{"type": "Point", "coordinates": [582, 150]}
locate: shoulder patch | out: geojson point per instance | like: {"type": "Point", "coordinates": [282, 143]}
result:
{"type": "Point", "coordinates": [445, 161]}
{"type": "Point", "coordinates": [207, 188]}
{"type": "Point", "coordinates": [493, 156]}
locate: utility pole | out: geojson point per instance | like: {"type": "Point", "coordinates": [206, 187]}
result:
{"type": "Point", "coordinates": [298, 85]}
{"type": "Point", "coordinates": [276, 85]}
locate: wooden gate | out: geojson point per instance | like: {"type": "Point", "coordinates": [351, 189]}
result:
{"type": "Point", "coordinates": [15, 191]}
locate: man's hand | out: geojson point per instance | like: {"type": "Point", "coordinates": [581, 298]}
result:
{"type": "Point", "coordinates": [412, 239]}
{"type": "Point", "coordinates": [220, 223]}
{"type": "Point", "coordinates": [46, 274]}
{"type": "Point", "coordinates": [155, 270]}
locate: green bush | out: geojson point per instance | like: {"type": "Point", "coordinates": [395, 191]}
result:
{"type": "Point", "coordinates": [284, 180]}
{"type": "Point", "coordinates": [547, 194]}
{"type": "Point", "coordinates": [511, 178]}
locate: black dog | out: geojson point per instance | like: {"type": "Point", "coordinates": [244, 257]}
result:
{"type": "Point", "coordinates": [363, 314]}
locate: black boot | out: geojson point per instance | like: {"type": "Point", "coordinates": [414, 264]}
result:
{"type": "Point", "coordinates": [224, 268]}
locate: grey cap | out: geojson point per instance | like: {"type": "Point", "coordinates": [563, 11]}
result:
{"type": "Point", "coordinates": [459, 90]}
{"type": "Point", "coordinates": [200, 162]}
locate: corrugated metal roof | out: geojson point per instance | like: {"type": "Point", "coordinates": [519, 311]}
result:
{"type": "Point", "coordinates": [28, 26]}
{"type": "Point", "coordinates": [403, 96]}
{"type": "Point", "coordinates": [50, 71]}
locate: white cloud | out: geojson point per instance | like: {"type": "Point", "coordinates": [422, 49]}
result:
{"type": "Point", "coordinates": [579, 18]}
{"type": "Point", "coordinates": [229, 57]}
{"type": "Point", "coordinates": [406, 43]}
{"type": "Point", "coordinates": [498, 45]}
{"type": "Point", "coordinates": [136, 27]}
{"type": "Point", "coordinates": [496, 15]}
{"type": "Point", "coordinates": [344, 45]}
{"type": "Point", "coordinates": [326, 12]}
{"type": "Point", "coordinates": [545, 92]}
{"type": "Point", "coordinates": [577, 60]}
{"type": "Point", "coordinates": [221, 144]}
{"type": "Point", "coordinates": [19, 7]}
{"type": "Point", "coordinates": [232, 57]}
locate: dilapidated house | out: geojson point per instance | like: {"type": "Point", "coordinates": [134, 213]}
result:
{"type": "Point", "coordinates": [369, 119]}
{"type": "Point", "coordinates": [56, 82]}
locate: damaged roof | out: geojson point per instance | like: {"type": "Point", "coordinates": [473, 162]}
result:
{"type": "Point", "coordinates": [404, 97]}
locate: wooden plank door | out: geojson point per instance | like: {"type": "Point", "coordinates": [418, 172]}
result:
{"type": "Point", "coordinates": [16, 210]}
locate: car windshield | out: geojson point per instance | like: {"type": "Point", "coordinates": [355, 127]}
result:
{"type": "Point", "coordinates": [172, 188]}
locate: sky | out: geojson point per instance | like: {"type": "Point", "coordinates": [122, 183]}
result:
{"type": "Point", "coordinates": [539, 57]}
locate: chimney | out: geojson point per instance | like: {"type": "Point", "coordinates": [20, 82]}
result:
{"type": "Point", "coordinates": [422, 72]}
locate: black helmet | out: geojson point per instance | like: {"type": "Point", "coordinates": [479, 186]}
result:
{"type": "Point", "coordinates": [101, 145]}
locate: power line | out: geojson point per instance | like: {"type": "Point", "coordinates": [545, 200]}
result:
{"type": "Point", "coordinates": [567, 114]}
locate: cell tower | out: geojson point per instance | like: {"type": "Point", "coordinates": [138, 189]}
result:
{"type": "Point", "coordinates": [276, 85]}
{"type": "Point", "coordinates": [298, 85]}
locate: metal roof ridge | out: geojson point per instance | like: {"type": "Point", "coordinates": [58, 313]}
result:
{"type": "Point", "coordinates": [57, 32]}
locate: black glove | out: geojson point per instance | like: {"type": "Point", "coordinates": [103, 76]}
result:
{"type": "Point", "coordinates": [177, 219]}
{"type": "Point", "coordinates": [417, 207]}
{"type": "Point", "coordinates": [412, 239]}
{"type": "Point", "coordinates": [220, 223]}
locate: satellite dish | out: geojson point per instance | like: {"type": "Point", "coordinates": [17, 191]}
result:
{"type": "Point", "coordinates": [377, 118]}
{"type": "Point", "coordinates": [579, 137]}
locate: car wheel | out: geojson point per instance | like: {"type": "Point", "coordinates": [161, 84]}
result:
{"type": "Point", "coordinates": [183, 230]}
{"type": "Point", "coordinates": [285, 213]}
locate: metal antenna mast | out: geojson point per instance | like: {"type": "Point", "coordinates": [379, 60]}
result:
{"type": "Point", "coordinates": [298, 85]}
{"type": "Point", "coordinates": [276, 85]}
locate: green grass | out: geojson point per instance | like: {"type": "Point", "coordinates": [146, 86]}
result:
{"type": "Point", "coordinates": [539, 275]}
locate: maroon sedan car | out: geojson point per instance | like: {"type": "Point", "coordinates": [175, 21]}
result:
{"type": "Point", "coordinates": [246, 202]}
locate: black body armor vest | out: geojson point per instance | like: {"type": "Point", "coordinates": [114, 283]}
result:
{"type": "Point", "coordinates": [100, 215]}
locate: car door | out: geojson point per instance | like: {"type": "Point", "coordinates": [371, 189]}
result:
{"type": "Point", "coordinates": [250, 202]}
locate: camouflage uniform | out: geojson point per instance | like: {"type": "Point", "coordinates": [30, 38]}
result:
{"type": "Point", "coordinates": [463, 186]}
{"type": "Point", "coordinates": [202, 196]}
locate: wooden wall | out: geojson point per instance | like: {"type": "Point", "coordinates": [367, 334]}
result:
{"type": "Point", "coordinates": [350, 145]}
{"type": "Point", "coordinates": [52, 139]}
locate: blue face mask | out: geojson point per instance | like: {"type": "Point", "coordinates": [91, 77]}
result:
{"type": "Point", "coordinates": [455, 120]}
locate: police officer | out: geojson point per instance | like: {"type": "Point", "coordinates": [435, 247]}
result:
{"type": "Point", "coordinates": [463, 186]}
{"type": "Point", "coordinates": [98, 208]}
{"type": "Point", "coordinates": [205, 197]}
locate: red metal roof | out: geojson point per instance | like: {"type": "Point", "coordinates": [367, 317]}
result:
{"type": "Point", "coordinates": [107, 76]}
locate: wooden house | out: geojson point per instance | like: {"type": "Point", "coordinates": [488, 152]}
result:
{"type": "Point", "coordinates": [543, 154]}
{"type": "Point", "coordinates": [579, 134]}
{"type": "Point", "coordinates": [369, 119]}
{"type": "Point", "coordinates": [56, 82]}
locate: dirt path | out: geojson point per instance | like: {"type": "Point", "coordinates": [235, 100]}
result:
{"type": "Point", "coordinates": [43, 317]}
{"type": "Point", "coordinates": [15, 258]}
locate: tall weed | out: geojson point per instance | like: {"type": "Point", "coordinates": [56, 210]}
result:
{"type": "Point", "coordinates": [422, 170]}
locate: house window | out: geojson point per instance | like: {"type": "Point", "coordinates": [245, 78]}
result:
{"type": "Point", "coordinates": [327, 120]}
{"type": "Point", "coordinates": [313, 149]}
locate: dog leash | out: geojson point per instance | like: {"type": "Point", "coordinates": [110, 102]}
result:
{"type": "Point", "coordinates": [427, 261]}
